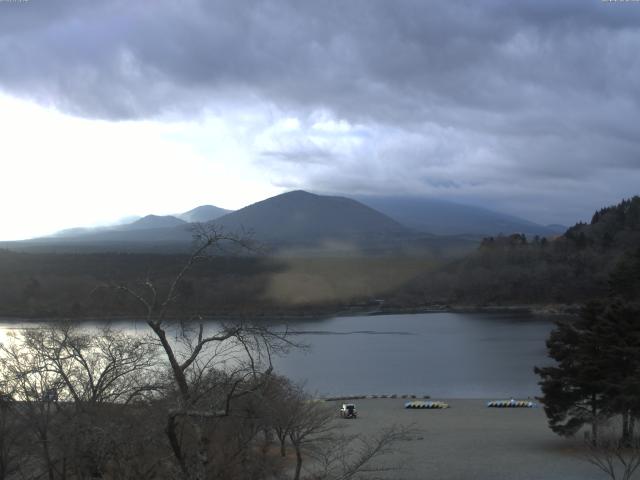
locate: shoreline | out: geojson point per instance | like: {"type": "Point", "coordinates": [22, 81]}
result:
{"type": "Point", "coordinates": [531, 309]}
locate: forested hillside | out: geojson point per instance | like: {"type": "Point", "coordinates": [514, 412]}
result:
{"type": "Point", "coordinates": [72, 285]}
{"type": "Point", "coordinates": [76, 285]}
{"type": "Point", "coordinates": [571, 268]}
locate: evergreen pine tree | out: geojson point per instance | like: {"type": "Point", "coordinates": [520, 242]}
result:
{"type": "Point", "coordinates": [574, 390]}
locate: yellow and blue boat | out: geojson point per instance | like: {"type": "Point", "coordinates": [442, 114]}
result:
{"type": "Point", "coordinates": [423, 404]}
{"type": "Point", "coordinates": [510, 404]}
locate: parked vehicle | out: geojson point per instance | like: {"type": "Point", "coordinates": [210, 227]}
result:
{"type": "Point", "coordinates": [348, 410]}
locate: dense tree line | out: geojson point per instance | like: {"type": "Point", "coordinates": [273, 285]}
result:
{"type": "Point", "coordinates": [64, 285]}
{"type": "Point", "coordinates": [514, 269]}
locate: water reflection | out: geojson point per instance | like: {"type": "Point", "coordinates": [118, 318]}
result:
{"type": "Point", "coordinates": [449, 355]}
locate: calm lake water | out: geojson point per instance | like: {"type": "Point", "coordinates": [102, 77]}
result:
{"type": "Point", "coordinates": [448, 355]}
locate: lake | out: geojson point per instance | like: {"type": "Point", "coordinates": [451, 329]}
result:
{"type": "Point", "coordinates": [447, 355]}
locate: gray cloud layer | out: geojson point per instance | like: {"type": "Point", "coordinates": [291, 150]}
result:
{"type": "Point", "coordinates": [478, 101]}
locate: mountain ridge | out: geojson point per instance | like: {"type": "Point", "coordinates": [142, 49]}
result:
{"type": "Point", "coordinates": [442, 217]}
{"type": "Point", "coordinates": [203, 214]}
{"type": "Point", "coordinates": [299, 215]}
{"type": "Point", "coordinates": [151, 222]}
{"type": "Point", "coordinates": [297, 219]}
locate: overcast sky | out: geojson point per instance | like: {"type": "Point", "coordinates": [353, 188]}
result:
{"type": "Point", "coordinates": [114, 108]}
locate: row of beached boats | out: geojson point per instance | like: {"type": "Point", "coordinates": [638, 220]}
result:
{"type": "Point", "coordinates": [418, 404]}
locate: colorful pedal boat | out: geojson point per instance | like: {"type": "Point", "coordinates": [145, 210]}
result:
{"type": "Point", "coordinates": [422, 404]}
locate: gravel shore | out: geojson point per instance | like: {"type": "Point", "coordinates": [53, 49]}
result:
{"type": "Point", "coordinates": [470, 441]}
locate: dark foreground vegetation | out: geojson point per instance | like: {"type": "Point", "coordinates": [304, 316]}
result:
{"type": "Point", "coordinates": [78, 404]}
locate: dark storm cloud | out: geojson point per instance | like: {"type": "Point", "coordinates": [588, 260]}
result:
{"type": "Point", "coordinates": [392, 61]}
{"type": "Point", "coordinates": [529, 90]}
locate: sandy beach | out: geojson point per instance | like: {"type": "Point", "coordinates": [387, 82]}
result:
{"type": "Point", "coordinates": [470, 441]}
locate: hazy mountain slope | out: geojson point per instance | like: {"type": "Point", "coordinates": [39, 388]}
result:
{"type": "Point", "coordinates": [300, 216]}
{"type": "Point", "coordinates": [296, 223]}
{"type": "Point", "coordinates": [203, 213]}
{"type": "Point", "coordinates": [557, 229]}
{"type": "Point", "coordinates": [297, 219]}
{"type": "Point", "coordinates": [180, 234]}
{"type": "Point", "coordinates": [441, 217]}
{"type": "Point", "coordinates": [145, 234]}
{"type": "Point", "coordinates": [74, 232]}
{"type": "Point", "coordinates": [152, 221]}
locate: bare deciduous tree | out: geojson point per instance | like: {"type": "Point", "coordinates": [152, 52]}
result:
{"type": "Point", "coordinates": [11, 437]}
{"type": "Point", "coordinates": [313, 430]}
{"type": "Point", "coordinates": [71, 389]}
{"type": "Point", "coordinates": [347, 457]}
{"type": "Point", "coordinates": [27, 379]}
{"type": "Point", "coordinates": [189, 400]}
{"type": "Point", "coordinates": [95, 367]}
{"type": "Point", "coordinates": [241, 351]}
{"type": "Point", "coordinates": [312, 423]}
{"type": "Point", "coordinates": [618, 458]}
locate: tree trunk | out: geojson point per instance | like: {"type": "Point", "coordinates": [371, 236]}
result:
{"type": "Point", "coordinates": [268, 440]}
{"type": "Point", "coordinates": [44, 438]}
{"type": "Point", "coordinates": [283, 447]}
{"type": "Point", "coordinates": [625, 428]}
{"type": "Point", "coordinates": [175, 443]}
{"type": "Point", "coordinates": [47, 456]}
{"type": "Point", "coordinates": [203, 453]}
{"type": "Point", "coordinates": [178, 374]}
{"type": "Point", "coordinates": [298, 463]}
{"type": "Point", "coordinates": [594, 421]}
{"type": "Point", "coordinates": [4, 455]}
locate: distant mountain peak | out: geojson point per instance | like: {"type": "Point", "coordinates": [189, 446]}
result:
{"type": "Point", "coordinates": [298, 193]}
{"type": "Point", "coordinates": [300, 216]}
{"type": "Point", "coordinates": [203, 214]}
{"type": "Point", "coordinates": [153, 221]}
{"type": "Point", "coordinates": [295, 221]}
